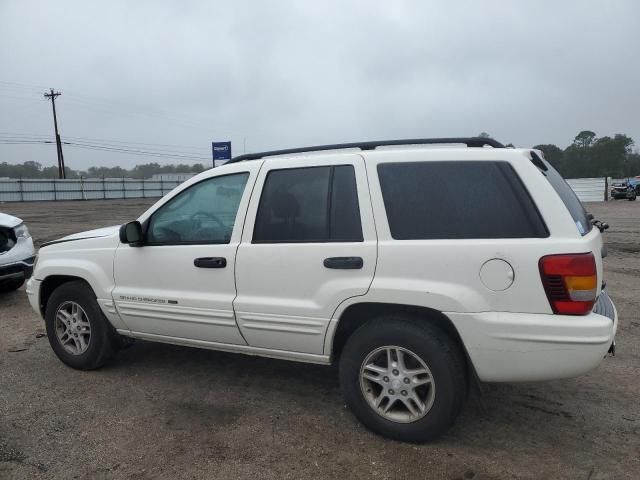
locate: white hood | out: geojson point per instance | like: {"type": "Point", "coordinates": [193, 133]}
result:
{"type": "Point", "coordinates": [98, 232]}
{"type": "Point", "coordinates": [9, 220]}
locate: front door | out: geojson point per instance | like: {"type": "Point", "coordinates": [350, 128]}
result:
{"type": "Point", "coordinates": [180, 283]}
{"type": "Point", "coordinates": [309, 243]}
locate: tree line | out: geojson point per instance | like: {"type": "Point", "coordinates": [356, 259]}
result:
{"type": "Point", "coordinates": [587, 156]}
{"type": "Point", "coordinates": [592, 156]}
{"type": "Point", "coordinates": [32, 169]}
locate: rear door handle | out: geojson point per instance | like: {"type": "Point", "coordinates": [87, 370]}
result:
{"type": "Point", "coordinates": [345, 263]}
{"type": "Point", "coordinates": [210, 262]}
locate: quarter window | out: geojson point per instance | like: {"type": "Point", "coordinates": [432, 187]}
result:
{"type": "Point", "coordinates": [457, 199]}
{"type": "Point", "coordinates": [313, 204]}
{"type": "Point", "coordinates": [203, 213]}
{"type": "Point", "coordinates": [568, 197]}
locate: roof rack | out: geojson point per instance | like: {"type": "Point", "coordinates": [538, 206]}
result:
{"type": "Point", "coordinates": [468, 141]}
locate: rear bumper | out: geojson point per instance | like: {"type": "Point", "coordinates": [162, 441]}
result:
{"type": "Point", "coordinates": [517, 347]}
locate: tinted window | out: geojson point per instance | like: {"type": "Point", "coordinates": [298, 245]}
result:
{"type": "Point", "coordinates": [315, 204]}
{"type": "Point", "coordinates": [568, 197]}
{"type": "Point", "coordinates": [203, 213]}
{"type": "Point", "coordinates": [436, 200]}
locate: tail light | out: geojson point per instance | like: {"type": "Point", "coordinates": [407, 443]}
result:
{"type": "Point", "coordinates": [570, 282]}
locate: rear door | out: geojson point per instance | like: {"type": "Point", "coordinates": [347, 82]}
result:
{"type": "Point", "coordinates": [309, 243]}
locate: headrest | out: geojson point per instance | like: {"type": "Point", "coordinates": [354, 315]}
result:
{"type": "Point", "coordinates": [284, 205]}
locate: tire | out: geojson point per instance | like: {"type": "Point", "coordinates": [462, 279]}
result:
{"type": "Point", "coordinates": [11, 285]}
{"type": "Point", "coordinates": [632, 199]}
{"type": "Point", "coordinates": [443, 358]}
{"type": "Point", "coordinates": [100, 341]}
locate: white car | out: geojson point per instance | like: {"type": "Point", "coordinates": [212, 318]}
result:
{"type": "Point", "coordinates": [16, 253]}
{"type": "Point", "coordinates": [363, 258]}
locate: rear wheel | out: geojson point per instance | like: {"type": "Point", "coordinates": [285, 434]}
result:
{"type": "Point", "coordinates": [78, 332]}
{"type": "Point", "coordinates": [403, 379]}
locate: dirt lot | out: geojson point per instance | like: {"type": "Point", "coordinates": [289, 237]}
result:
{"type": "Point", "coordinates": [162, 411]}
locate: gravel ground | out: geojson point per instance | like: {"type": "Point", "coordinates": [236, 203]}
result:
{"type": "Point", "coordinates": [162, 411]}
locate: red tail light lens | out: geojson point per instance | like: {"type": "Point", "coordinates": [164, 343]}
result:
{"type": "Point", "coordinates": [570, 282]}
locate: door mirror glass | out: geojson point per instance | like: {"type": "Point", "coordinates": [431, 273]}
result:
{"type": "Point", "coordinates": [131, 233]}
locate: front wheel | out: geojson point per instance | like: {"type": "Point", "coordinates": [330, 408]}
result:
{"type": "Point", "coordinates": [403, 378]}
{"type": "Point", "coordinates": [78, 332]}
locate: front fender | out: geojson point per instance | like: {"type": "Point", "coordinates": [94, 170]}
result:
{"type": "Point", "coordinates": [93, 265]}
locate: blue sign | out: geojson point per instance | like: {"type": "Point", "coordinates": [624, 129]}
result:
{"type": "Point", "coordinates": [221, 152]}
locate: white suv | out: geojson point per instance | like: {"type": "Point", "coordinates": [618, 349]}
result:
{"type": "Point", "coordinates": [416, 269]}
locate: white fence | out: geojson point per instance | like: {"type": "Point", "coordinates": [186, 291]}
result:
{"type": "Point", "coordinates": [589, 189]}
{"type": "Point", "coordinates": [32, 190]}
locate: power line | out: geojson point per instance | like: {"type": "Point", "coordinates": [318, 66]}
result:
{"type": "Point", "coordinates": [109, 141]}
{"type": "Point", "coordinates": [96, 103]}
{"type": "Point", "coordinates": [20, 135]}
{"type": "Point", "coordinates": [129, 151]}
{"type": "Point", "coordinates": [25, 136]}
{"type": "Point", "coordinates": [125, 142]}
{"type": "Point", "coordinates": [25, 142]}
{"type": "Point", "coordinates": [14, 97]}
{"type": "Point", "coordinates": [173, 119]}
{"type": "Point", "coordinates": [107, 148]}
{"type": "Point", "coordinates": [102, 140]}
{"type": "Point", "coordinates": [114, 107]}
{"type": "Point", "coordinates": [72, 99]}
{"type": "Point", "coordinates": [22, 85]}
{"type": "Point", "coordinates": [140, 109]}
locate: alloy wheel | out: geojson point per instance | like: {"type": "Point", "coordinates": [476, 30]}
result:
{"type": "Point", "coordinates": [72, 328]}
{"type": "Point", "coordinates": [397, 384]}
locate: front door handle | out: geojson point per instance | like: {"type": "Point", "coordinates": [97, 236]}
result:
{"type": "Point", "coordinates": [344, 263]}
{"type": "Point", "coordinates": [210, 262]}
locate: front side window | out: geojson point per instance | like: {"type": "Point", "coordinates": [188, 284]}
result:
{"type": "Point", "coordinates": [457, 199]}
{"type": "Point", "coordinates": [203, 213]}
{"type": "Point", "coordinates": [312, 204]}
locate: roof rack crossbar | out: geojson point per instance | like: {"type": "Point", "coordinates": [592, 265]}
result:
{"type": "Point", "coordinates": [468, 141]}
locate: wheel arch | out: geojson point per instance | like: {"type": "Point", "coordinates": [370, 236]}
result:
{"type": "Point", "coordinates": [51, 283]}
{"type": "Point", "coordinates": [357, 314]}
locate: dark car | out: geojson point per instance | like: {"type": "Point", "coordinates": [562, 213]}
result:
{"type": "Point", "coordinates": [627, 189]}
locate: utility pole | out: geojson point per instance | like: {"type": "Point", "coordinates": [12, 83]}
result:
{"type": "Point", "coordinates": [52, 96]}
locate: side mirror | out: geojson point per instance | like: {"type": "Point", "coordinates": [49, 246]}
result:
{"type": "Point", "coordinates": [131, 233]}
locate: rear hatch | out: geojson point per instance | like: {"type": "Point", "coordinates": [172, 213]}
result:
{"type": "Point", "coordinates": [583, 221]}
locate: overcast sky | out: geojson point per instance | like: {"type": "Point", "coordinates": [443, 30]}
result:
{"type": "Point", "coordinates": [286, 74]}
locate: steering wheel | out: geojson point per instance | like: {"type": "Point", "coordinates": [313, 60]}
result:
{"type": "Point", "coordinates": [166, 234]}
{"type": "Point", "coordinates": [207, 215]}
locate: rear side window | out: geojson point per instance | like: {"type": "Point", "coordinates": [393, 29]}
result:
{"type": "Point", "coordinates": [568, 197]}
{"type": "Point", "coordinates": [313, 204]}
{"type": "Point", "coordinates": [442, 200]}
